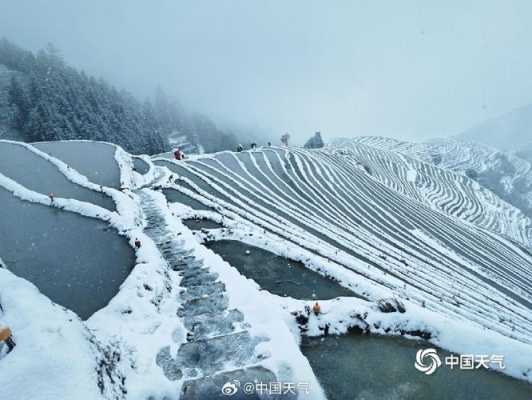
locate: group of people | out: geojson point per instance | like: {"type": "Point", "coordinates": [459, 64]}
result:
{"type": "Point", "coordinates": [316, 309]}
{"type": "Point", "coordinates": [314, 142]}
{"type": "Point", "coordinates": [302, 318]}
{"type": "Point", "coordinates": [253, 145]}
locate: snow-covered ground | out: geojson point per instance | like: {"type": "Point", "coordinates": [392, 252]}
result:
{"type": "Point", "coordinates": [465, 287]}
{"type": "Point", "coordinates": [447, 178]}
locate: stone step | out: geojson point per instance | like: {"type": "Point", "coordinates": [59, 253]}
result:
{"type": "Point", "coordinates": [176, 254]}
{"type": "Point", "coordinates": [212, 304]}
{"type": "Point", "coordinates": [198, 271]}
{"type": "Point", "coordinates": [211, 355]}
{"type": "Point", "coordinates": [209, 325]}
{"type": "Point", "coordinates": [199, 280]}
{"type": "Point", "coordinates": [193, 292]}
{"type": "Point", "coordinates": [174, 245]}
{"type": "Point", "coordinates": [181, 264]}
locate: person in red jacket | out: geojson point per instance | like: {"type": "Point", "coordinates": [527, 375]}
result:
{"type": "Point", "coordinates": [178, 154]}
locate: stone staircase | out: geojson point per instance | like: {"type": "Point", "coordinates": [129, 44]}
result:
{"type": "Point", "coordinates": [219, 348]}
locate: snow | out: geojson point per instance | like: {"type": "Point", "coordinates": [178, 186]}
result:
{"type": "Point", "coordinates": [343, 313]}
{"type": "Point", "coordinates": [258, 204]}
{"type": "Point", "coordinates": [54, 358]}
{"type": "Point", "coordinates": [411, 175]}
{"type": "Point", "coordinates": [251, 224]}
{"type": "Point", "coordinates": [262, 315]}
{"type": "Point", "coordinates": [140, 328]}
{"type": "Point", "coordinates": [115, 330]}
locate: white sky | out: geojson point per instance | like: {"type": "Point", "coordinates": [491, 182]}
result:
{"type": "Point", "coordinates": [408, 69]}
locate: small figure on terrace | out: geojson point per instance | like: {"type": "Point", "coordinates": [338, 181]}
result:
{"type": "Point", "coordinates": [285, 138]}
{"type": "Point", "coordinates": [178, 154]}
{"type": "Point", "coordinates": [137, 243]}
{"type": "Point", "coordinates": [316, 309]}
{"type": "Point", "coordinates": [51, 196]}
{"type": "Point", "coordinates": [6, 336]}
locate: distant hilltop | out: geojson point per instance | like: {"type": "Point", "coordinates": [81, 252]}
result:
{"type": "Point", "coordinates": [511, 131]}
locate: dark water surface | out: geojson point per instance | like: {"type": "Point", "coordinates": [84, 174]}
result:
{"type": "Point", "coordinates": [198, 224]}
{"type": "Point", "coordinates": [141, 166]}
{"type": "Point", "coordinates": [40, 175]}
{"type": "Point", "coordinates": [277, 274]}
{"type": "Point", "coordinates": [367, 367]}
{"type": "Point", "coordinates": [95, 160]}
{"type": "Point", "coordinates": [76, 261]}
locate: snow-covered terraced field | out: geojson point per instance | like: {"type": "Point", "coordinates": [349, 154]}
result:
{"type": "Point", "coordinates": [508, 175]}
{"type": "Point", "coordinates": [177, 323]}
{"type": "Point", "coordinates": [426, 172]}
{"type": "Point", "coordinates": [392, 242]}
{"type": "Point", "coordinates": [183, 321]}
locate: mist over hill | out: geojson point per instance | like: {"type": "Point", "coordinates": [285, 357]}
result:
{"type": "Point", "coordinates": [511, 131]}
{"type": "Point", "coordinates": [42, 98]}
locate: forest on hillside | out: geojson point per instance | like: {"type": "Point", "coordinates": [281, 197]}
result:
{"type": "Point", "coordinates": [50, 100]}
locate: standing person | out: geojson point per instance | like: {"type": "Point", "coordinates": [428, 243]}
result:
{"type": "Point", "coordinates": [6, 337]}
{"type": "Point", "coordinates": [253, 146]}
{"type": "Point", "coordinates": [285, 138]}
{"type": "Point", "coordinates": [316, 309]}
{"type": "Point", "coordinates": [178, 154]}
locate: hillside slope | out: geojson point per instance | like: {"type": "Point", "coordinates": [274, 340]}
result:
{"type": "Point", "coordinates": [132, 303]}
{"type": "Point", "coordinates": [50, 100]}
{"type": "Point", "coordinates": [505, 174]}
{"type": "Point", "coordinates": [508, 132]}
{"type": "Point", "coordinates": [6, 129]}
{"type": "Point", "coordinates": [390, 241]}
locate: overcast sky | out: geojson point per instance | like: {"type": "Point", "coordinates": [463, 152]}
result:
{"type": "Point", "coordinates": [396, 68]}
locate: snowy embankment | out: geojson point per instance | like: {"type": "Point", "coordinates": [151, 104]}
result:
{"type": "Point", "coordinates": [92, 359]}
{"type": "Point", "coordinates": [118, 347]}
{"type": "Point", "coordinates": [343, 314]}
{"type": "Point", "coordinates": [54, 357]}
{"type": "Point", "coordinates": [377, 243]}
{"type": "Point", "coordinates": [366, 228]}
{"type": "Point", "coordinates": [420, 256]}
{"type": "Point", "coordinates": [438, 176]}
{"type": "Point", "coordinates": [265, 318]}
{"type": "Point", "coordinates": [506, 175]}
